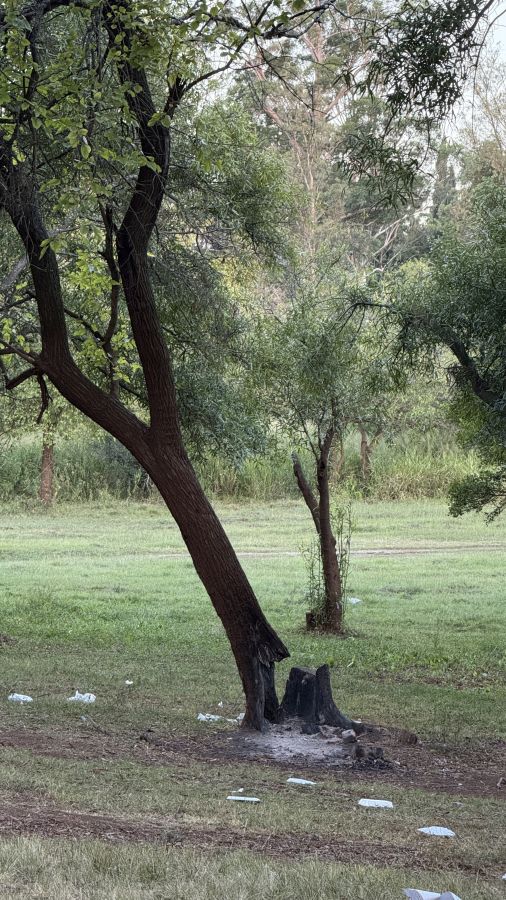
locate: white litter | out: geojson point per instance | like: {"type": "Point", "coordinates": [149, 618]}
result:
{"type": "Point", "coordinates": [238, 791]}
{"type": "Point", "coordinates": [128, 681]}
{"type": "Point", "coordinates": [376, 804]}
{"type": "Point", "coordinates": [299, 781]}
{"type": "Point", "coordinates": [20, 698]}
{"type": "Point", "coordinates": [354, 600]}
{"type": "Point", "coordinates": [220, 704]}
{"type": "Point", "coordinates": [210, 717]}
{"type": "Point", "coordinates": [82, 698]}
{"type": "Point", "coordinates": [245, 799]}
{"type": "Point", "coordinates": [240, 717]}
{"type": "Point", "coordinates": [413, 894]}
{"type": "Point", "coordinates": [504, 877]}
{"type": "Point", "coordinates": [437, 831]}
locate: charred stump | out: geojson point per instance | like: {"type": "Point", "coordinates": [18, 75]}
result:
{"type": "Point", "coordinates": [308, 696]}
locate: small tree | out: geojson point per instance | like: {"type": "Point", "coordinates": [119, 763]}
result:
{"type": "Point", "coordinates": [319, 371]}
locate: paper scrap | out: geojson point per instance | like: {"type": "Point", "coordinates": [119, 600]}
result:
{"type": "Point", "coordinates": [299, 781]}
{"type": "Point", "coordinates": [437, 831]}
{"type": "Point", "coordinates": [379, 804]}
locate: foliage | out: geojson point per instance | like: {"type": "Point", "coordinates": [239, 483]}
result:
{"type": "Point", "coordinates": [457, 300]}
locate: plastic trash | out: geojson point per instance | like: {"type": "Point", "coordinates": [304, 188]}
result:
{"type": "Point", "coordinates": [354, 600]}
{"type": "Point", "coordinates": [128, 681]}
{"type": "Point", "coordinates": [299, 781]}
{"type": "Point", "coordinates": [211, 717]}
{"type": "Point", "coordinates": [240, 717]}
{"type": "Point", "coordinates": [238, 791]}
{"type": "Point", "coordinates": [414, 894]}
{"type": "Point", "coordinates": [82, 698]}
{"type": "Point", "coordinates": [220, 704]}
{"type": "Point", "coordinates": [20, 698]}
{"type": "Point", "coordinates": [437, 831]}
{"type": "Point", "coordinates": [376, 804]}
{"type": "Point", "coordinates": [244, 799]}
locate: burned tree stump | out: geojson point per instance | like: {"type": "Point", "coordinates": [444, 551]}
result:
{"type": "Point", "coordinates": [308, 696]}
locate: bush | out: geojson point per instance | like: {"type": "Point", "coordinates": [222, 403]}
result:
{"type": "Point", "coordinates": [90, 468]}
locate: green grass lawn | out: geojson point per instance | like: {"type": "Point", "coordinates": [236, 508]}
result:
{"type": "Point", "coordinates": [94, 596]}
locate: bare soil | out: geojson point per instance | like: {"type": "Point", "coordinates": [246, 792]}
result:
{"type": "Point", "coordinates": [467, 770]}
{"type": "Point", "coordinates": [23, 817]}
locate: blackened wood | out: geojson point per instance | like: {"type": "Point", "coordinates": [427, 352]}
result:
{"type": "Point", "coordinates": [308, 696]}
{"type": "Point", "coordinates": [326, 712]}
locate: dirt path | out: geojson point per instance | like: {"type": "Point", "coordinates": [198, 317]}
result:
{"type": "Point", "coordinates": [28, 818]}
{"type": "Point", "coordinates": [364, 551]}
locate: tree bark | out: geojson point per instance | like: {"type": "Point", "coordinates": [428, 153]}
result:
{"type": "Point", "coordinates": [306, 491]}
{"type": "Point", "coordinates": [331, 617]}
{"type": "Point", "coordinates": [255, 644]}
{"type": "Point", "coordinates": [333, 611]}
{"type": "Point", "coordinates": [308, 696]}
{"type": "Point", "coordinates": [46, 490]}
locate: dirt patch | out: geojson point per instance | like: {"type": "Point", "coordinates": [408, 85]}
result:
{"type": "Point", "coordinates": [468, 771]}
{"type": "Point", "coordinates": [48, 821]}
{"type": "Point", "coordinates": [6, 640]}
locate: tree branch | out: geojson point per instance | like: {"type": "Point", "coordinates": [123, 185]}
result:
{"type": "Point", "coordinates": [13, 383]}
{"type": "Point", "coordinates": [306, 491]}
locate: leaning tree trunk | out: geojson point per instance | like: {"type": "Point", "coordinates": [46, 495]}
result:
{"type": "Point", "coordinates": [255, 644]}
{"type": "Point", "coordinates": [46, 489]}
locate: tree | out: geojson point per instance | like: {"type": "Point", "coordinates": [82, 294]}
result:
{"type": "Point", "coordinates": [457, 300]}
{"type": "Point", "coordinates": [64, 154]}
{"type": "Point", "coordinates": [319, 372]}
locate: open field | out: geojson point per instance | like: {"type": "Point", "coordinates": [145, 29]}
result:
{"type": "Point", "coordinates": [93, 596]}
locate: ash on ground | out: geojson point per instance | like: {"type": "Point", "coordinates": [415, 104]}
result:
{"type": "Point", "coordinates": [293, 740]}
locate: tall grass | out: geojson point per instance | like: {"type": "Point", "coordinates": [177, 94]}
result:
{"type": "Point", "coordinates": [90, 469]}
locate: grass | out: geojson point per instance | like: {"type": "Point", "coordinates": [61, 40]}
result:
{"type": "Point", "coordinates": [97, 595]}
{"type": "Point", "coordinates": [94, 871]}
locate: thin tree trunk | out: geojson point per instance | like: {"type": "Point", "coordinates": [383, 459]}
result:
{"type": "Point", "coordinates": [331, 617]}
{"type": "Point", "coordinates": [46, 489]}
{"type": "Point", "coordinates": [337, 461]}
{"type": "Point", "coordinates": [366, 449]}
{"type": "Point", "coordinates": [333, 611]}
{"type": "Point", "coordinates": [365, 456]}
